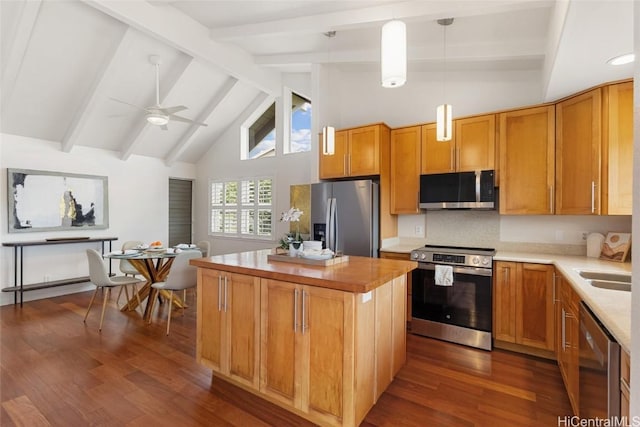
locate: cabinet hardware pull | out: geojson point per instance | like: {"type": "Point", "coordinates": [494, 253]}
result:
{"type": "Point", "coordinates": [225, 293]}
{"type": "Point", "coordinates": [551, 199]}
{"type": "Point", "coordinates": [452, 160]}
{"type": "Point", "coordinates": [554, 289]}
{"type": "Point", "coordinates": [295, 310]}
{"type": "Point", "coordinates": [219, 293]}
{"type": "Point", "coordinates": [593, 196]}
{"type": "Point", "coordinates": [304, 311]}
{"type": "Point", "coordinates": [564, 332]}
{"type": "Point", "coordinates": [458, 157]}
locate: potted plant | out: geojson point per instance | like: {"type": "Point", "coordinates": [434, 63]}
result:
{"type": "Point", "coordinates": [292, 241]}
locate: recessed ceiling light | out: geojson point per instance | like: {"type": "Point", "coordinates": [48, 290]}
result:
{"type": "Point", "coordinates": [622, 59]}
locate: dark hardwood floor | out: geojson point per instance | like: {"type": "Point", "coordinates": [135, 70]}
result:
{"type": "Point", "coordinates": [55, 370]}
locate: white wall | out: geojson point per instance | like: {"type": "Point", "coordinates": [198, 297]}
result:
{"type": "Point", "coordinates": [357, 98]}
{"type": "Point", "coordinates": [222, 161]}
{"type": "Point", "coordinates": [138, 208]}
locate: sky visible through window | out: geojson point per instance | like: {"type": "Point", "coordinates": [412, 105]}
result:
{"type": "Point", "coordinates": [301, 129]}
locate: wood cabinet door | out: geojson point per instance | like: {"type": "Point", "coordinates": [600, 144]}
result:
{"type": "Point", "coordinates": [405, 170]}
{"type": "Point", "coordinates": [242, 313]}
{"type": "Point", "coordinates": [408, 278]}
{"type": "Point", "coordinates": [211, 345]}
{"type": "Point", "coordinates": [335, 165]}
{"type": "Point", "coordinates": [475, 143]}
{"type": "Point", "coordinates": [504, 301]}
{"type": "Point", "coordinates": [527, 161]}
{"type": "Point", "coordinates": [279, 353]}
{"type": "Point", "coordinates": [436, 156]}
{"type": "Point", "coordinates": [534, 302]}
{"type": "Point", "coordinates": [364, 151]}
{"type": "Point", "coordinates": [399, 324]}
{"type": "Point", "coordinates": [578, 140]}
{"type": "Point", "coordinates": [325, 327]}
{"type": "Point", "coordinates": [617, 149]}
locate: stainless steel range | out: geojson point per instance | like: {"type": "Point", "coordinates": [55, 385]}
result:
{"type": "Point", "coordinates": [452, 294]}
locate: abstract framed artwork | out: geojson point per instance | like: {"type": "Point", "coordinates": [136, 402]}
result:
{"type": "Point", "coordinates": [49, 201]}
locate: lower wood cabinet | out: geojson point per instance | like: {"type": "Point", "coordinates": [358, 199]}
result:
{"type": "Point", "coordinates": [625, 383]}
{"type": "Point", "coordinates": [324, 354]}
{"type": "Point", "coordinates": [523, 304]}
{"type": "Point", "coordinates": [229, 344]}
{"type": "Point", "coordinates": [567, 338]}
{"type": "Point", "coordinates": [403, 256]}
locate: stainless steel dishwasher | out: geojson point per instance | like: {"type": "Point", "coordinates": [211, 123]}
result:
{"type": "Point", "coordinates": [599, 381]}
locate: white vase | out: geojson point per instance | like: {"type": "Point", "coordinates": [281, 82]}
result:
{"type": "Point", "coordinates": [293, 251]}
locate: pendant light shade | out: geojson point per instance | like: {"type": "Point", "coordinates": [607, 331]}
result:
{"type": "Point", "coordinates": [443, 123]}
{"type": "Point", "coordinates": [393, 54]}
{"type": "Point", "coordinates": [443, 112]}
{"type": "Point", "coordinates": [328, 140]}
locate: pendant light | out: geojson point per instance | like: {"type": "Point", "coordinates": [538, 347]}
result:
{"type": "Point", "coordinates": [444, 122]}
{"type": "Point", "coordinates": [329, 132]}
{"type": "Point", "coordinates": [393, 54]}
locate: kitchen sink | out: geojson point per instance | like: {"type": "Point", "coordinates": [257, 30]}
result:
{"type": "Point", "coordinates": [609, 284]}
{"type": "Point", "coordinates": [606, 277]}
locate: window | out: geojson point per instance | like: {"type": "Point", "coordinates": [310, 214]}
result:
{"type": "Point", "coordinates": [300, 124]}
{"type": "Point", "coordinates": [242, 208]}
{"type": "Point", "coordinates": [262, 135]}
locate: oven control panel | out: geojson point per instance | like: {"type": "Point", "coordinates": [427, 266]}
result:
{"type": "Point", "coordinates": [482, 261]}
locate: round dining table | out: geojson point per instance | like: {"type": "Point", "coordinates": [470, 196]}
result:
{"type": "Point", "coordinates": [153, 265]}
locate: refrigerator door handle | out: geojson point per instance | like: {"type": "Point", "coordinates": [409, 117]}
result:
{"type": "Point", "coordinates": [331, 224]}
{"type": "Point", "coordinates": [327, 221]}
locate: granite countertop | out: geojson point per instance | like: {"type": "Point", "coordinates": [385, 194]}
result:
{"type": "Point", "coordinates": [358, 274]}
{"type": "Point", "coordinates": [613, 308]}
{"type": "Point", "coordinates": [402, 248]}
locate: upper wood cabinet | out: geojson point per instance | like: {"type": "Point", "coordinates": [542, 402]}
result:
{"type": "Point", "coordinates": [405, 170]}
{"type": "Point", "coordinates": [471, 148]}
{"type": "Point", "coordinates": [523, 304]}
{"type": "Point", "coordinates": [527, 161]}
{"type": "Point", "coordinates": [578, 144]}
{"type": "Point", "coordinates": [617, 149]}
{"type": "Point", "coordinates": [358, 152]}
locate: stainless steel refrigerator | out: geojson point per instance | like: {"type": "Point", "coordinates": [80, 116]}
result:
{"type": "Point", "coordinates": [345, 215]}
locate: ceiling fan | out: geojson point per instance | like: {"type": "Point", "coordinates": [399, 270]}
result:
{"type": "Point", "coordinates": [157, 114]}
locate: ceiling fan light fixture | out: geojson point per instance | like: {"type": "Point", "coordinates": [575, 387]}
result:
{"type": "Point", "coordinates": [393, 54]}
{"type": "Point", "coordinates": [157, 119]}
{"type": "Point", "coordinates": [622, 59]}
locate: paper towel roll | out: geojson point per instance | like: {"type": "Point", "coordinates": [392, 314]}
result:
{"type": "Point", "coordinates": [594, 244]}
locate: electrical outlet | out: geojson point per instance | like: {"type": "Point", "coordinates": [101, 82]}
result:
{"type": "Point", "coordinates": [419, 230]}
{"type": "Point", "coordinates": [47, 278]}
{"type": "Point", "coordinates": [584, 235]}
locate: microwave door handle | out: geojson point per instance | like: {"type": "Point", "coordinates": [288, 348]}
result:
{"type": "Point", "coordinates": [478, 186]}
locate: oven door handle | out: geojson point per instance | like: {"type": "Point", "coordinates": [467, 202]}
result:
{"type": "Point", "coordinates": [475, 271]}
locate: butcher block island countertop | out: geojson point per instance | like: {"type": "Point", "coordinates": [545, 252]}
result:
{"type": "Point", "coordinates": [321, 342]}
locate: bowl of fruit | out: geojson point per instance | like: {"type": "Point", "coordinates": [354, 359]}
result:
{"type": "Point", "coordinates": [155, 246]}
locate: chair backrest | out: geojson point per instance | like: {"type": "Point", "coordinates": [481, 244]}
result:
{"type": "Point", "coordinates": [205, 247]}
{"type": "Point", "coordinates": [125, 266]}
{"type": "Point", "coordinates": [182, 275]}
{"type": "Point", "coordinates": [97, 270]}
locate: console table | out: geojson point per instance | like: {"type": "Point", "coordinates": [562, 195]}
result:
{"type": "Point", "coordinates": [18, 248]}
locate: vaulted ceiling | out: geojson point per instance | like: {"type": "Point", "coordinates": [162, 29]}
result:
{"type": "Point", "coordinates": [65, 64]}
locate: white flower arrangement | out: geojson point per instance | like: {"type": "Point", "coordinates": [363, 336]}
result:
{"type": "Point", "coordinates": [292, 215]}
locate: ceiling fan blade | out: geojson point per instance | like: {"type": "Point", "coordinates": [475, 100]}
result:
{"type": "Point", "coordinates": [171, 110]}
{"type": "Point", "coordinates": [129, 104]}
{"type": "Point", "coordinates": [185, 120]}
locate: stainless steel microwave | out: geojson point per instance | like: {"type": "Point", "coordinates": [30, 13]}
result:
{"type": "Point", "coordinates": [458, 190]}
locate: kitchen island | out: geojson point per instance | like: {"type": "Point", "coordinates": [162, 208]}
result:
{"type": "Point", "coordinates": [323, 342]}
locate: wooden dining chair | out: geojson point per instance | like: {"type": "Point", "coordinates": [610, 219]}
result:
{"type": "Point", "coordinates": [182, 276]}
{"type": "Point", "coordinates": [100, 278]}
